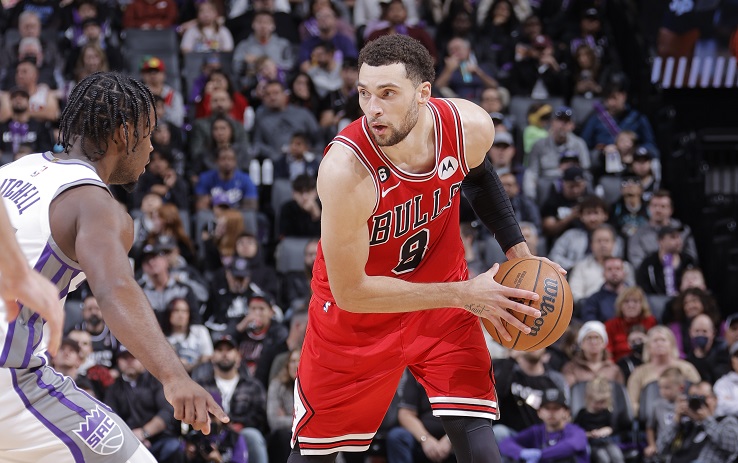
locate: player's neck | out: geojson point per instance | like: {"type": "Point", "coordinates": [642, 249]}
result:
{"type": "Point", "coordinates": [418, 148]}
{"type": "Point", "coordinates": [75, 152]}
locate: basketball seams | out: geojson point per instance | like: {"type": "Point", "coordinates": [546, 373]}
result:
{"type": "Point", "coordinates": [561, 309]}
{"type": "Point", "coordinates": [535, 285]}
{"type": "Point", "coordinates": [555, 331]}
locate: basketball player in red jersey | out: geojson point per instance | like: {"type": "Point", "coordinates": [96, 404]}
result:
{"type": "Point", "coordinates": [390, 252]}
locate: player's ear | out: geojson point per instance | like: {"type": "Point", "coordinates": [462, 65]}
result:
{"type": "Point", "coordinates": [119, 137]}
{"type": "Point", "coordinates": [424, 92]}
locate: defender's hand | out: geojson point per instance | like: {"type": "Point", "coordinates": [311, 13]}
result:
{"type": "Point", "coordinates": [193, 404]}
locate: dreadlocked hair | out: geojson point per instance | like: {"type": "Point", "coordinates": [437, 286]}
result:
{"type": "Point", "coordinates": [101, 103]}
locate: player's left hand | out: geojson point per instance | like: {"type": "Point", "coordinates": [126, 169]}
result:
{"type": "Point", "coordinates": [37, 293]}
{"type": "Point", "coordinates": [522, 250]}
{"type": "Point", "coordinates": [193, 404]}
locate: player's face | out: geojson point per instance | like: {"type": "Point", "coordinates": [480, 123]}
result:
{"type": "Point", "coordinates": [132, 163]}
{"type": "Point", "coordinates": [390, 101]}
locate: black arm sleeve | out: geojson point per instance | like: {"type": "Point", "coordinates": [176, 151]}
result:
{"type": "Point", "coordinates": [483, 190]}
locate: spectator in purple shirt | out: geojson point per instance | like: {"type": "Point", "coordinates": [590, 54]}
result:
{"type": "Point", "coordinates": [553, 440]}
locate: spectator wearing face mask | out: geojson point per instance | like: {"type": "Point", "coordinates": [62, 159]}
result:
{"type": "Point", "coordinates": [708, 352]}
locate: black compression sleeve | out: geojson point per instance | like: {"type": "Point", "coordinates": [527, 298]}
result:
{"type": "Point", "coordinates": [484, 191]}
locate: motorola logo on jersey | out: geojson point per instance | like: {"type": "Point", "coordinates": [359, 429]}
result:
{"type": "Point", "coordinates": [100, 432]}
{"type": "Point", "coordinates": [448, 167]}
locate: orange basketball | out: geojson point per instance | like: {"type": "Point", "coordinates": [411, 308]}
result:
{"type": "Point", "coordinates": [556, 303]}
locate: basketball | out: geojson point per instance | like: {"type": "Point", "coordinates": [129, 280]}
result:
{"type": "Point", "coordinates": [556, 303]}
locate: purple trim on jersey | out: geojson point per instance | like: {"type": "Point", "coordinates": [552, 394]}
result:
{"type": "Point", "coordinates": [82, 391]}
{"type": "Point", "coordinates": [66, 290]}
{"type": "Point", "coordinates": [64, 267]}
{"type": "Point", "coordinates": [53, 392]}
{"type": "Point", "coordinates": [85, 393]}
{"type": "Point", "coordinates": [76, 452]}
{"type": "Point", "coordinates": [29, 343]}
{"type": "Point", "coordinates": [80, 182]}
{"type": "Point", "coordinates": [78, 162]}
{"type": "Point", "coordinates": [43, 258]}
{"type": "Point", "coordinates": [8, 343]}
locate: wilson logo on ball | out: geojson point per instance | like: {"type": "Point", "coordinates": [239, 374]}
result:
{"type": "Point", "coordinates": [548, 303]}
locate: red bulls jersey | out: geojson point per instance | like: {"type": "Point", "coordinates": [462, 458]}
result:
{"type": "Point", "coordinates": [414, 229]}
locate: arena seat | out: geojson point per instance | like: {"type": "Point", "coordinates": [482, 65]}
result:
{"type": "Point", "coordinates": [289, 255]}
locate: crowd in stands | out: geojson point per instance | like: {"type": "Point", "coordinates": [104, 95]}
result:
{"type": "Point", "coordinates": [227, 218]}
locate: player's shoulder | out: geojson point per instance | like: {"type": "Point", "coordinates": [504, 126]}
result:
{"type": "Point", "coordinates": [478, 128]}
{"type": "Point", "coordinates": [341, 173]}
{"type": "Point", "coordinates": [341, 161]}
{"type": "Point", "coordinates": [472, 115]}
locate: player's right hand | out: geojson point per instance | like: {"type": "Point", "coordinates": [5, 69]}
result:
{"type": "Point", "coordinates": [490, 300]}
{"type": "Point", "coordinates": [38, 294]}
{"type": "Point", "coordinates": [193, 404]}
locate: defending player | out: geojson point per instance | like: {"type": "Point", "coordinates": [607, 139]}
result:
{"type": "Point", "coordinates": [390, 250]}
{"type": "Point", "coordinates": [68, 226]}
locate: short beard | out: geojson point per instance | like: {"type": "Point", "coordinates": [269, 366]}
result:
{"type": "Point", "coordinates": [406, 126]}
{"type": "Point", "coordinates": [225, 365]}
{"type": "Point", "coordinates": [129, 187]}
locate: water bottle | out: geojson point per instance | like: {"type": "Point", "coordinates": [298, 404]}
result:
{"type": "Point", "coordinates": [613, 163]}
{"type": "Point", "coordinates": [255, 171]}
{"type": "Point", "coordinates": [267, 172]}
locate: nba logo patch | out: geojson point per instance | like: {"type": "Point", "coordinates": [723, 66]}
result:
{"type": "Point", "coordinates": [101, 433]}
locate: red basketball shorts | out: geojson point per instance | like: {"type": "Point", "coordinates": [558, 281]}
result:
{"type": "Point", "coordinates": [351, 365]}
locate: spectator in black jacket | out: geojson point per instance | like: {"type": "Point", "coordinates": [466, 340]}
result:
{"type": "Point", "coordinates": [301, 216]}
{"type": "Point", "coordinates": [138, 398]}
{"type": "Point", "coordinates": [232, 287]}
{"type": "Point", "coordinates": [536, 72]}
{"type": "Point", "coordinates": [521, 382]}
{"type": "Point", "coordinates": [708, 353]}
{"type": "Point", "coordinates": [244, 398]}
{"type": "Point", "coordinates": [22, 129]}
{"type": "Point", "coordinates": [258, 330]}
{"type": "Point", "coordinates": [660, 273]}
{"type": "Point", "coordinates": [161, 178]}
{"type": "Point", "coordinates": [298, 159]}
